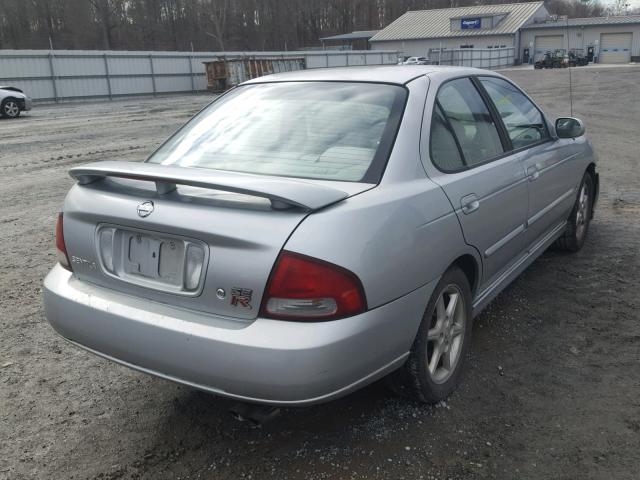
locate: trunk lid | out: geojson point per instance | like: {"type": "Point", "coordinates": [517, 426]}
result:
{"type": "Point", "coordinates": [193, 238]}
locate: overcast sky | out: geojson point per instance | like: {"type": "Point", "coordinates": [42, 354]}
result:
{"type": "Point", "coordinates": [632, 3]}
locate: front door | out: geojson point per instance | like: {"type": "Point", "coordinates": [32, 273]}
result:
{"type": "Point", "coordinates": [548, 163]}
{"type": "Point", "coordinates": [487, 188]}
{"type": "Point", "coordinates": [551, 196]}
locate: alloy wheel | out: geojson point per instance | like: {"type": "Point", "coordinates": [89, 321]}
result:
{"type": "Point", "coordinates": [446, 333]}
{"type": "Point", "coordinates": [582, 215]}
{"type": "Point", "coordinates": [11, 109]}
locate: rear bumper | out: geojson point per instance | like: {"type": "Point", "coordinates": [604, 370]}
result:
{"type": "Point", "coordinates": [263, 361]}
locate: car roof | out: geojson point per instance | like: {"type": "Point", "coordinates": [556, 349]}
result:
{"type": "Point", "coordinates": [396, 74]}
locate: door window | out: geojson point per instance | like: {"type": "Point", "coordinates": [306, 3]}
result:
{"type": "Point", "coordinates": [471, 122]}
{"type": "Point", "coordinates": [524, 122]}
{"type": "Point", "coordinates": [444, 150]}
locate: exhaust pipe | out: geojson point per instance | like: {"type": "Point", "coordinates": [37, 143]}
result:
{"type": "Point", "coordinates": [256, 415]}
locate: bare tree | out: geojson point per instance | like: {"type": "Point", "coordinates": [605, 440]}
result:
{"type": "Point", "coordinates": [619, 7]}
{"type": "Point", "coordinates": [213, 15]}
{"type": "Point", "coordinates": [104, 11]}
{"type": "Point", "coordinates": [215, 24]}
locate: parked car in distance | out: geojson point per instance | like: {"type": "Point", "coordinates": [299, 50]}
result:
{"type": "Point", "coordinates": [310, 232]}
{"type": "Point", "coordinates": [415, 61]}
{"type": "Point", "coordinates": [13, 101]}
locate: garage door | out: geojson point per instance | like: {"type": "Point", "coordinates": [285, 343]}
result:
{"type": "Point", "coordinates": [615, 48]}
{"type": "Point", "coordinates": [547, 43]}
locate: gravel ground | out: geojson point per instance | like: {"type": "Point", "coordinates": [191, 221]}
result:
{"type": "Point", "coordinates": [553, 384]}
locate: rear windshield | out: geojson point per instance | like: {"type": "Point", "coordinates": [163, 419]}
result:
{"type": "Point", "coordinates": [321, 130]}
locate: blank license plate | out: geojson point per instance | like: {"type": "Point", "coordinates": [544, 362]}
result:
{"type": "Point", "coordinates": [157, 258]}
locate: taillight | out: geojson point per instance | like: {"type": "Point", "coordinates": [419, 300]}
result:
{"type": "Point", "coordinates": [61, 248]}
{"type": "Point", "coordinates": [305, 288]}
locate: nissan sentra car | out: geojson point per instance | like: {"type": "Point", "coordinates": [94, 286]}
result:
{"type": "Point", "coordinates": [13, 101]}
{"type": "Point", "coordinates": [310, 232]}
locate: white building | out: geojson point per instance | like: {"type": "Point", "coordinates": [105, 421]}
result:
{"type": "Point", "coordinates": [524, 30]}
{"type": "Point", "coordinates": [607, 39]}
{"type": "Point", "coordinates": [420, 32]}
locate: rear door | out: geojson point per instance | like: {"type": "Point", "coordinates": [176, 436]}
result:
{"type": "Point", "coordinates": [486, 186]}
{"type": "Point", "coordinates": [550, 165]}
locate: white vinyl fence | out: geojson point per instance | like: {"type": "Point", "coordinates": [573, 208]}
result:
{"type": "Point", "coordinates": [81, 74]}
{"type": "Point", "coordinates": [473, 57]}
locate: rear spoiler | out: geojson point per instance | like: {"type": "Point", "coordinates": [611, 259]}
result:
{"type": "Point", "coordinates": [282, 192]}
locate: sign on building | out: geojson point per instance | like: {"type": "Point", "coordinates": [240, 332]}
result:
{"type": "Point", "coordinates": [469, 23]}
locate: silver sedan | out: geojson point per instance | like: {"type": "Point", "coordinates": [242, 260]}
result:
{"type": "Point", "coordinates": [310, 232]}
{"type": "Point", "coordinates": [13, 101]}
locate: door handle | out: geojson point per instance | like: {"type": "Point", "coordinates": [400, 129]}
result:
{"type": "Point", "coordinates": [533, 173]}
{"type": "Point", "coordinates": [469, 203]}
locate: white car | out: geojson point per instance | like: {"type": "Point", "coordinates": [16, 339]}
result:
{"type": "Point", "coordinates": [13, 101]}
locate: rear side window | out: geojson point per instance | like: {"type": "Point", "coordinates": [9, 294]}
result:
{"type": "Point", "coordinates": [522, 119]}
{"type": "Point", "coordinates": [323, 130]}
{"type": "Point", "coordinates": [443, 148]}
{"type": "Point", "coordinates": [471, 122]}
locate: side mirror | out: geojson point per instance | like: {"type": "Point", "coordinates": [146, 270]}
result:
{"type": "Point", "coordinates": [568, 127]}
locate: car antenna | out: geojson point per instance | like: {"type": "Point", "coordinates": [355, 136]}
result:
{"type": "Point", "coordinates": [569, 66]}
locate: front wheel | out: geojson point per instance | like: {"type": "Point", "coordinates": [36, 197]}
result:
{"type": "Point", "coordinates": [432, 371]}
{"type": "Point", "coordinates": [578, 223]}
{"type": "Point", "coordinates": [10, 108]}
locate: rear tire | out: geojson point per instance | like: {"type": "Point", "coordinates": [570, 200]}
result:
{"type": "Point", "coordinates": [432, 371]}
{"type": "Point", "coordinates": [575, 234]}
{"type": "Point", "coordinates": [10, 108]}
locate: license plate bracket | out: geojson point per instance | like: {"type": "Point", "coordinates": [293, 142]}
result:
{"type": "Point", "coordinates": [154, 260]}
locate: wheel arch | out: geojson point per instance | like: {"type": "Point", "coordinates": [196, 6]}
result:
{"type": "Point", "coordinates": [471, 268]}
